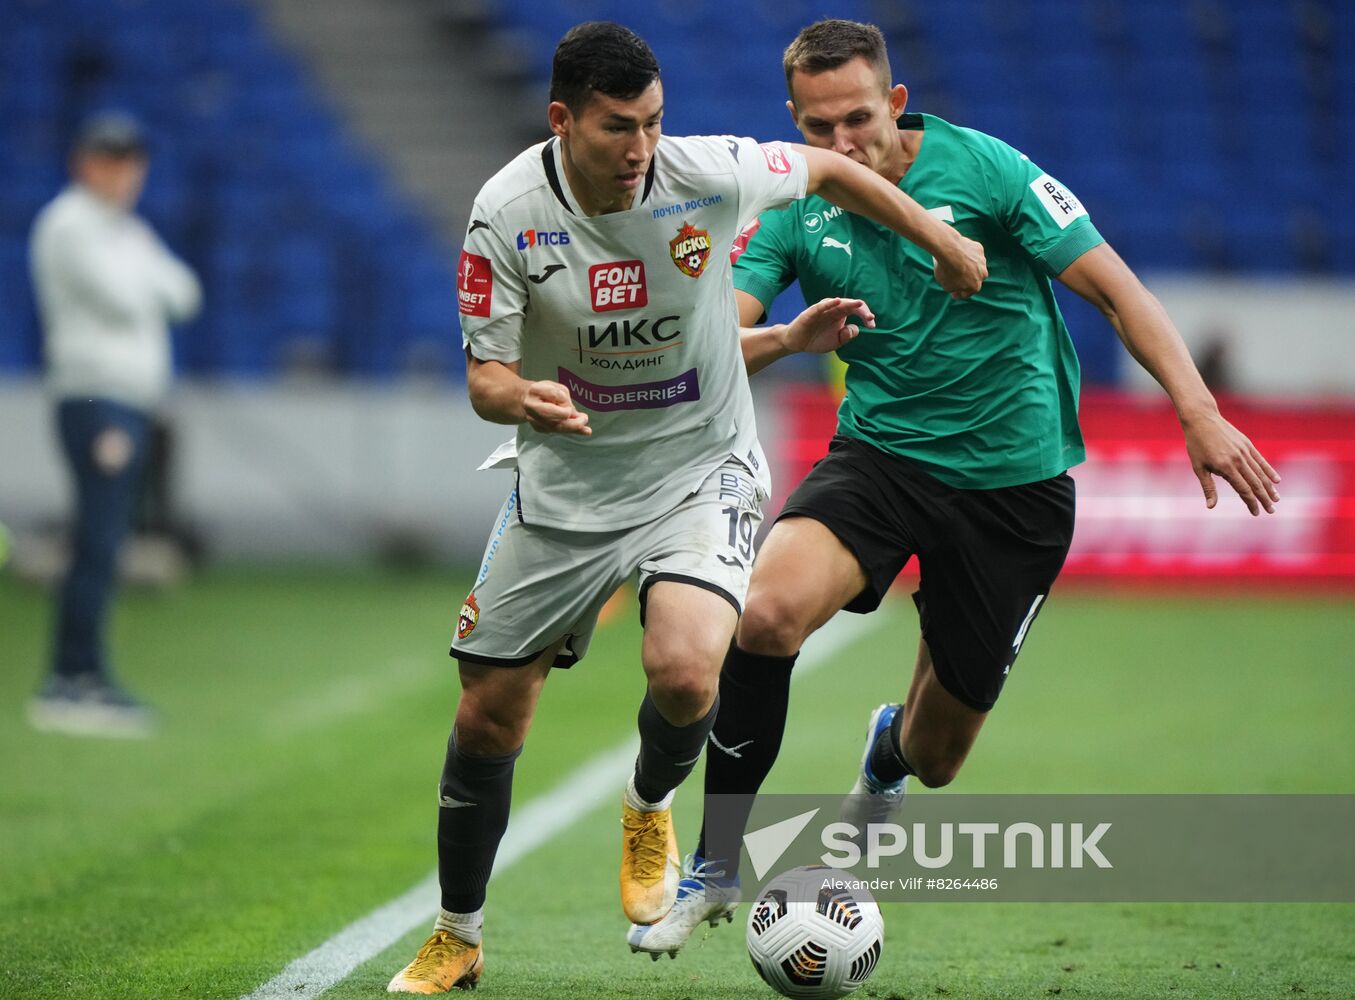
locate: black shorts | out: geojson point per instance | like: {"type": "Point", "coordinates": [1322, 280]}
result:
{"type": "Point", "coordinates": [987, 557]}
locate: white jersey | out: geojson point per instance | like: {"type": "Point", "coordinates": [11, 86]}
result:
{"type": "Point", "coordinates": [106, 287]}
{"type": "Point", "coordinates": [633, 312]}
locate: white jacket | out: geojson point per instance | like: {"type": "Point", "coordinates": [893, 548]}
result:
{"type": "Point", "coordinates": [106, 288]}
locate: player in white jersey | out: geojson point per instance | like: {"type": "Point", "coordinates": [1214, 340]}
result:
{"type": "Point", "coordinates": [598, 317]}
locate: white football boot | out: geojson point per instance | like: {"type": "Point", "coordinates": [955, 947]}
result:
{"type": "Point", "coordinates": [870, 800]}
{"type": "Point", "coordinates": [703, 897]}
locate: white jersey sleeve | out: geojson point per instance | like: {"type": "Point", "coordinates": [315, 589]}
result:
{"type": "Point", "coordinates": [770, 175]}
{"type": "Point", "coordinates": [491, 292]}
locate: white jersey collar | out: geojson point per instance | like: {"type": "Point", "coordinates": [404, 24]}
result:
{"type": "Point", "coordinates": [552, 160]}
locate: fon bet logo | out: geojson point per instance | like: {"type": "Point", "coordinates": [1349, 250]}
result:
{"type": "Point", "coordinates": [469, 617]}
{"type": "Point", "coordinates": [618, 285]}
{"type": "Point", "coordinates": [474, 284]}
{"type": "Point", "coordinates": [690, 249]}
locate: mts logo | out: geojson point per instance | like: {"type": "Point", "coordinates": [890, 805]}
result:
{"type": "Point", "coordinates": [618, 285]}
{"type": "Point", "coordinates": [629, 333]}
{"type": "Point", "coordinates": [529, 238]}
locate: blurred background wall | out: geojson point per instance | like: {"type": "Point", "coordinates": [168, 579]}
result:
{"type": "Point", "coordinates": [314, 161]}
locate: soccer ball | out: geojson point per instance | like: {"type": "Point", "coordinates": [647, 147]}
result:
{"type": "Point", "coordinates": [811, 940]}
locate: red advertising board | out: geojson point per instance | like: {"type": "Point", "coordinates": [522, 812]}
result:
{"type": "Point", "coordinates": [1141, 513]}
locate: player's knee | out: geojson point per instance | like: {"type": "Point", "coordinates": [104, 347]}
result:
{"type": "Point", "coordinates": [683, 696]}
{"type": "Point", "coordinates": [770, 627]}
{"type": "Point", "coordinates": [482, 730]}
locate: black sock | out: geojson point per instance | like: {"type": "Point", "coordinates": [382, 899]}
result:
{"type": "Point", "coordinates": [474, 796]}
{"type": "Point", "coordinates": [667, 752]}
{"type": "Point", "coordinates": [886, 757]}
{"type": "Point", "coordinates": [754, 694]}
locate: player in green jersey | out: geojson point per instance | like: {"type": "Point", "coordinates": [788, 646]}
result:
{"type": "Point", "coordinates": [954, 440]}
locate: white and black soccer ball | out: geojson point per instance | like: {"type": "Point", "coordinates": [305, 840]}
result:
{"type": "Point", "coordinates": [811, 940]}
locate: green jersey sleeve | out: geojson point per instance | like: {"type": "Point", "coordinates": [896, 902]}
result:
{"type": "Point", "coordinates": [1041, 213]}
{"type": "Point", "coordinates": [764, 261]}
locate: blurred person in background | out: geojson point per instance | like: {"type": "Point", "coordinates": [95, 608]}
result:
{"type": "Point", "coordinates": [106, 288]}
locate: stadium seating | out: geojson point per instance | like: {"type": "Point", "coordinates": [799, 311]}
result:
{"type": "Point", "coordinates": [1204, 136]}
{"type": "Point", "coordinates": [310, 260]}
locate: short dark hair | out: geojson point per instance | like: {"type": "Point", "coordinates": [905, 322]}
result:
{"type": "Point", "coordinates": [830, 43]}
{"type": "Point", "coordinates": [603, 57]}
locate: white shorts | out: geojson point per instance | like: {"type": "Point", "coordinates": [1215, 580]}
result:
{"type": "Point", "coordinates": [539, 585]}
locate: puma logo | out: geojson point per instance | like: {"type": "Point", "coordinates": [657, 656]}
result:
{"type": "Point", "coordinates": [828, 241]}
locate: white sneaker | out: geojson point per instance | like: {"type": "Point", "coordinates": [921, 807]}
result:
{"type": "Point", "coordinates": [703, 897]}
{"type": "Point", "coordinates": [89, 705]}
{"type": "Point", "coordinates": [872, 801]}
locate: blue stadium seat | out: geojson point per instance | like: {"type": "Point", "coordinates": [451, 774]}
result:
{"type": "Point", "coordinates": [268, 223]}
{"type": "Point", "coordinates": [1136, 106]}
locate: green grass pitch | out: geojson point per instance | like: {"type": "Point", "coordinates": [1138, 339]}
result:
{"type": "Point", "coordinates": [291, 791]}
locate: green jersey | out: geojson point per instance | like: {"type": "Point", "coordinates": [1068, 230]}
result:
{"type": "Point", "coordinates": [982, 393]}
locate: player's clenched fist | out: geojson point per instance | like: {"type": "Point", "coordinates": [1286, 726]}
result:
{"type": "Point", "coordinates": [550, 410]}
{"type": "Point", "coordinates": [962, 271]}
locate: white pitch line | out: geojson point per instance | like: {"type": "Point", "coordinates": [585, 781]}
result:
{"type": "Point", "coordinates": [532, 824]}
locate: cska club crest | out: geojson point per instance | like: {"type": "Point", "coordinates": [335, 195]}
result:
{"type": "Point", "coordinates": [690, 250]}
{"type": "Point", "coordinates": [469, 617]}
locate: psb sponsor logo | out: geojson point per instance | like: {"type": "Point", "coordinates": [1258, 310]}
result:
{"type": "Point", "coordinates": [690, 249]}
{"type": "Point", "coordinates": [1061, 204]}
{"type": "Point", "coordinates": [474, 284]}
{"type": "Point", "coordinates": [469, 617]}
{"type": "Point", "coordinates": [618, 285]}
{"type": "Point", "coordinates": [741, 241]}
{"type": "Point", "coordinates": [628, 344]}
{"type": "Point", "coordinates": [777, 157]}
{"type": "Point", "coordinates": [683, 388]}
{"type": "Point", "coordinates": [814, 221]}
{"type": "Point", "coordinates": [529, 238]}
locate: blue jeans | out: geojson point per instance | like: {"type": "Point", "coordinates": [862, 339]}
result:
{"type": "Point", "coordinates": [106, 469]}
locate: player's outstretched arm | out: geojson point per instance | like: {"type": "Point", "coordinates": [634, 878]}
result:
{"type": "Point", "coordinates": [961, 266]}
{"type": "Point", "coordinates": [500, 394]}
{"type": "Point", "coordinates": [820, 328]}
{"type": "Point", "coordinates": [1215, 446]}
